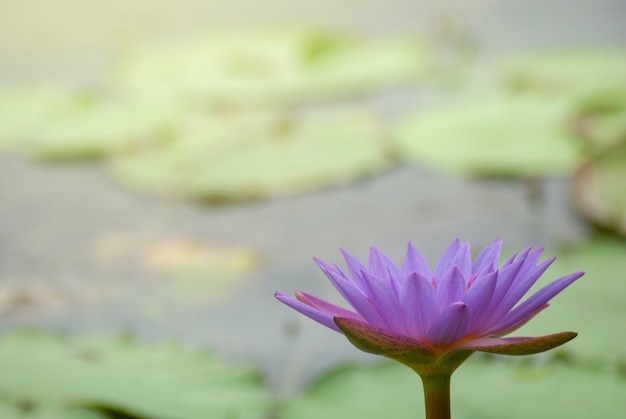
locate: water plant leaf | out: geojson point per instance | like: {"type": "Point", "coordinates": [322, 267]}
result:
{"type": "Point", "coordinates": [251, 157]}
{"type": "Point", "coordinates": [566, 71]}
{"type": "Point", "coordinates": [150, 380]}
{"type": "Point", "coordinates": [23, 109]}
{"type": "Point", "coordinates": [503, 136]}
{"type": "Point", "coordinates": [480, 390]}
{"type": "Point", "coordinates": [52, 123]}
{"type": "Point", "coordinates": [23, 410]}
{"type": "Point", "coordinates": [268, 66]}
{"type": "Point", "coordinates": [96, 129]}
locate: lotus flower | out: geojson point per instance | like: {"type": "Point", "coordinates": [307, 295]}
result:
{"type": "Point", "coordinates": [416, 314]}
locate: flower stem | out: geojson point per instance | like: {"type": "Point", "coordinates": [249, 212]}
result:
{"type": "Point", "coordinates": [437, 395]}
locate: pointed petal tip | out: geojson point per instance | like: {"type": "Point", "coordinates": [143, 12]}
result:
{"type": "Point", "coordinates": [279, 295]}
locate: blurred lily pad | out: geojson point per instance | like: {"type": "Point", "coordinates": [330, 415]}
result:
{"type": "Point", "coordinates": [96, 129]}
{"type": "Point", "coordinates": [269, 66]}
{"type": "Point", "coordinates": [25, 410]}
{"type": "Point", "coordinates": [599, 191]}
{"type": "Point", "coordinates": [23, 109]}
{"type": "Point", "coordinates": [250, 156]}
{"type": "Point", "coordinates": [149, 380]}
{"type": "Point", "coordinates": [566, 71]}
{"type": "Point", "coordinates": [503, 136]}
{"type": "Point", "coordinates": [51, 123]}
{"type": "Point", "coordinates": [480, 390]}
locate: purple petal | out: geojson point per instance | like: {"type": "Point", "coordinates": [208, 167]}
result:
{"type": "Point", "coordinates": [509, 261]}
{"type": "Point", "coordinates": [321, 317]}
{"type": "Point", "coordinates": [445, 260]}
{"type": "Point", "coordinates": [383, 267]}
{"type": "Point", "coordinates": [520, 323]}
{"type": "Point", "coordinates": [451, 288]}
{"type": "Point", "coordinates": [522, 285]}
{"type": "Point", "coordinates": [463, 260]}
{"type": "Point", "coordinates": [354, 267]}
{"type": "Point", "coordinates": [487, 258]}
{"type": "Point", "coordinates": [419, 303]}
{"type": "Point", "coordinates": [535, 302]}
{"type": "Point", "coordinates": [478, 300]}
{"type": "Point", "coordinates": [530, 261]}
{"type": "Point", "coordinates": [450, 326]}
{"type": "Point", "coordinates": [506, 278]}
{"type": "Point", "coordinates": [519, 346]}
{"type": "Point", "coordinates": [385, 301]}
{"type": "Point", "coordinates": [415, 262]}
{"type": "Point", "coordinates": [328, 268]}
{"type": "Point", "coordinates": [353, 295]}
{"type": "Point", "coordinates": [326, 307]}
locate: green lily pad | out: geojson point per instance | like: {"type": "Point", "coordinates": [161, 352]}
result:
{"type": "Point", "coordinates": [97, 129]}
{"type": "Point", "coordinates": [50, 123]}
{"type": "Point", "coordinates": [505, 136]}
{"type": "Point", "coordinates": [258, 155]}
{"type": "Point", "coordinates": [152, 380]}
{"type": "Point", "coordinates": [274, 66]}
{"type": "Point", "coordinates": [599, 191]}
{"type": "Point", "coordinates": [480, 390]}
{"type": "Point", "coordinates": [24, 108]}
{"type": "Point", "coordinates": [24, 410]}
{"type": "Point", "coordinates": [566, 71]}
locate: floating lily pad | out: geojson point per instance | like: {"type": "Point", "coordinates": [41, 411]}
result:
{"type": "Point", "coordinates": [54, 124]}
{"type": "Point", "coordinates": [566, 71]}
{"type": "Point", "coordinates": [197, 144]}
{"type": "Point", "coordinates": [599, 191]}
{"type": "Point", "coordinates": [149, 380]}
{"type": "Point", "coordinates": [23, 109]}
{"type": "Point", "coordinates": [24, 410]}
{"type": "Point", "coordinates": [480, 390]}
{"type": "Point", "coordinates": [244, 156]}
{"type": "Point", "coordinates": [96, 130]}
{"type": "Point", "coordinates": [507, 136]}
{"type": "Point", "coordinates": [274, 66]}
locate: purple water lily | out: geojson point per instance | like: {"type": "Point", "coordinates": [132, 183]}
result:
{"type": "Point", "coordinates": [459, 305]}
{"type": "Point", "coordinates": [433, 320]}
